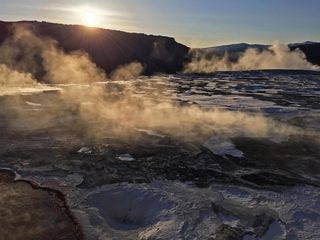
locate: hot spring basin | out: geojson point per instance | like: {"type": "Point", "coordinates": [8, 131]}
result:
{"type": "Point", "coordinates": [129, 209]}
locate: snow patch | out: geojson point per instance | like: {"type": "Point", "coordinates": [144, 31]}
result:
{"type": "Point", "coordinates": [85, 150]}
{"type": "Point", "coordinates": [150, 132]}
{"type": "Point", "coordinates": [126, 157]}
{"type": "Point", "coordinates": [222, 147]}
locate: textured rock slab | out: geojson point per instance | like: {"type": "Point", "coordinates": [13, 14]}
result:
{"type": "Point", "coordinates": [28, 212]}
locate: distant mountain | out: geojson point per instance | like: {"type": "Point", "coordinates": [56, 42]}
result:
{"type": "Point", "coordinates": [240, 47]}
{"type": "Point", "coordinates": [111, 48]}
{"type": "Point", "coordinates": [300, 44]}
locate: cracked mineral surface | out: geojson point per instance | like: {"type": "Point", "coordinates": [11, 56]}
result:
{"type": "Point", "coordinates": [210, 181]}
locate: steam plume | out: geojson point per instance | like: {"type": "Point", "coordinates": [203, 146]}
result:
{"type": "Point", "coordinates": [278, 56]}
{"type": "Point", "coordinates": [100, 107]}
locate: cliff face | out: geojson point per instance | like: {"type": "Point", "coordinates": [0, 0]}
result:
{"type": "Point", "coordinates": [312, 52]}
{"type": "Point", "coordinates": [111, 48]}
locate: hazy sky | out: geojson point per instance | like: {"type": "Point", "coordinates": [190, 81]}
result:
{"type": "Point", "coordinates": [197, 23]}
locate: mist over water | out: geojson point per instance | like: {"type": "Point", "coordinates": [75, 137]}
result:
{"type": "Point", "coordinates": [278, 56]}
{"type": "Point", "coordinates": [28, 60]}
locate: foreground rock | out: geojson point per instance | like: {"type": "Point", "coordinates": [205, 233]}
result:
{"type": "Point", "coordinates": [29, 212]}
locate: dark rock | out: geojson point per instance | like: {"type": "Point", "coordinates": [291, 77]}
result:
{"type": "Point", "coordinates": [312, 51]}
{"type": "Point", "coordinates": [226, 232]}
{"type": "Point", "coordinates": [271, 179]}
{"type": "Point", "coordinates": [297, 156]}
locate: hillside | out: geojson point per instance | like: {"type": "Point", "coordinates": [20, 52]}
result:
{"type": "Point", "coordinates": [111, 48]}
{"type": "Point", "coordinates": [312, 51]}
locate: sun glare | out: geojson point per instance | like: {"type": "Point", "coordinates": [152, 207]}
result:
{"type": "Point", "coordinates": [89, 18]}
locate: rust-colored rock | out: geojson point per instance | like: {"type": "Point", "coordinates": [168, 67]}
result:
{"type": "Point", "coordinates": [28, 212]}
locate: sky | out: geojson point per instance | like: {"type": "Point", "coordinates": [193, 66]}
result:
{"type": "Point", "coordinates": [196, 23]}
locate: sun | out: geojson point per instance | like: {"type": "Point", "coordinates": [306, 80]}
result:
{"type": "Point", "coordinates": [89, 17]}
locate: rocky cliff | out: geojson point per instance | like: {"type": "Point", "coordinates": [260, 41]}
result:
{"type": "Point", "coordinates": [312, 51]}
{"type": "Point", "coordinates": [111, 48]}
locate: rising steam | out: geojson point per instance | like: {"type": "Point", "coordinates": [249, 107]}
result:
{"type": "Point", "coordinates": [101, 107]}
{"type": "Point", "coordinates": [278, 56]}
